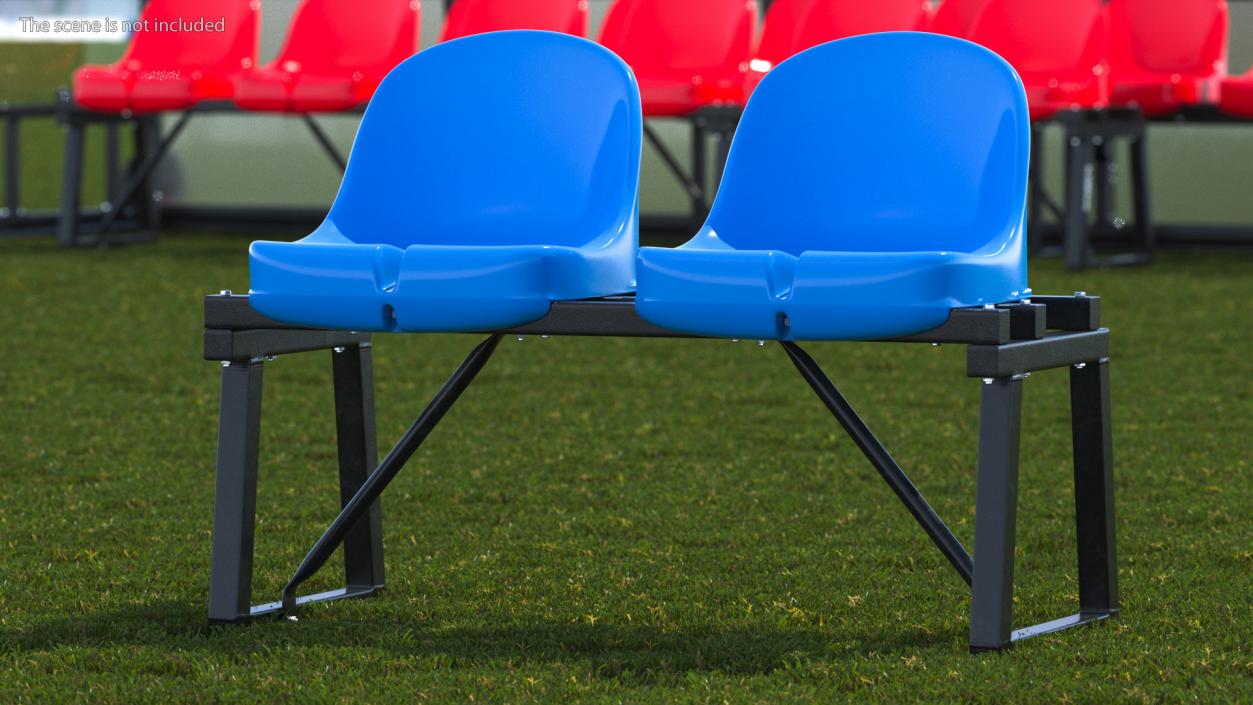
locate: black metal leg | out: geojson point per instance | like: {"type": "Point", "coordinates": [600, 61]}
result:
{"type": "Point", "coordinates": [71, 184]}
{"type": "Point", "coordinates": [368, 494]}
{"type": "Point", "coordinates": [1105, 176]}
{"type": "Point", "coordinates": [882, 460]}
{"type": "Point", "coordinates": [723, 137]}
{"type": "Point", "coordinates": [325, 141]}
{"type": "Point", "coordinates": [12, 167]}
{"type": "Point", "coordinates": [235, 504]}
{"type": "Point", "coordinates": [996, 510]}
{"type": "Point", "coordinates": [358, 455]}
{"type": "Point", "coordinates": [1141, 195]}
{"type": "Point", "coordinates": [111, 156]}
{"type": "Point", "coordinates": [1078, 175]}
{"type": "Point", "coordinates": [1094, 488]}
{"type": "Point", "coordinates": [146, 198]}
{"type": "Point", "coordinates": [141, 174]}
{"type": "Point", "coordinates": [1035, 179]}
{"type": "Point", "coordinates": [700, 175]}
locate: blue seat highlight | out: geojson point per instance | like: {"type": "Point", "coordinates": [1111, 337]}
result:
{"type": "Point", "coordinates": [874, 184]}
{"type": "Point", "coordinates": [491, 175]}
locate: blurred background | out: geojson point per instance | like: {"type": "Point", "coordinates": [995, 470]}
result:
{"type": "Point", "coordinates": [1199, 174]}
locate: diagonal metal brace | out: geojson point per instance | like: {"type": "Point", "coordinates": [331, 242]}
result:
{"type": "Point", "coordinates": [382, 476]}
{"type": "Point", "coordinates": [878, 456]}
{"type": "Point", "coordinates": [141, 174]}
{"type": "Point", "coordinates": [325, 141]}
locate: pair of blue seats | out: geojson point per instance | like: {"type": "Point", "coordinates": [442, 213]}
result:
{"type": "Point", "coordinates": [496, 174]}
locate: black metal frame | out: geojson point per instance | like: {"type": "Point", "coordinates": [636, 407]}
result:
{"type": "Point", "coordinates": [1088, 185]}
{"type": "Point", "coordinates": [16, 220]}
{"type": "Point", "coordinates": [135, 197]}
{"type": "Point", "coordinates": [1005, 345]}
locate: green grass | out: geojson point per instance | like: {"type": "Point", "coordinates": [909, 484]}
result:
{"type": "Point", "coordinates": [606, 520]}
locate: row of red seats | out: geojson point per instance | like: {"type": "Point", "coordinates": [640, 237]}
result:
{"type": "Point", "coordinates": [335, 55]}
{"type": "Point", "coordinates": [1159, 55]}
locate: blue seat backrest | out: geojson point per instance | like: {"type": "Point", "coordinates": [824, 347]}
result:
{"type": "Point", "coordinates": [891, 142]}
{"type": "Point", "coordinates": [507, 138]}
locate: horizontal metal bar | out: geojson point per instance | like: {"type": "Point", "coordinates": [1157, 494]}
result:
{"type": "Point", "coordinates": [275, 608]}
{"type": "Point", "coordinates": [1057, 349]}
{"type": "Point", "coordinates": [1058, 625]}
{"type": "Point", "coordinates": [29, 109]}
{"type": "Point", "coordinates": [1201, 115]}
{"type": "Point", "coordinates": [616, 317]}
{"type": "Point", "coordinates": [1074, 313]}
{"type": "Point", "coordinates": [241, 345]}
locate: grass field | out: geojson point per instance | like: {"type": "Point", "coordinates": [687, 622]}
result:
{"type": "Point", "coordinates": [606, 520]}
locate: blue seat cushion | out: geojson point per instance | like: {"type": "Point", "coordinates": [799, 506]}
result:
{"type": "Point", "coordinates": [773, 295]}
{"type": "Point", "coordinates": [423, 288]}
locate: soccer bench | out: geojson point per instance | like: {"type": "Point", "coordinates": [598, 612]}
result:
{"type": "Point", "coordinates": [521, 233]}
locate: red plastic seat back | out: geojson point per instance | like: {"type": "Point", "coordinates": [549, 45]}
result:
{"type": "Point", "coordinates": [1060, 41]}
{"type": "Point", "coordinates": [334, 37]}
{"type": "Point", "coordinates": [783, 22]}
{"type": "Point", "coordinates": [478, 16]}
{"type": "Point", "coordinates": [828, 20]}
{"type": "Point", "coordinates": [1185, 37]}
{"type": "Point", "coordinates": [955, 17]}
{"type": "Point", "coordinates": [670, 39]}
{"type": "Point", "coordinates": [213, 54]}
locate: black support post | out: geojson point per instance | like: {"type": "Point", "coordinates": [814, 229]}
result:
{"type": "Point", "coordinates": [71, 184]}
{"type": "Point", "coordinates": [1036, 193]}
{"type": "Point", "coordinates": [1094, 487]}
{"type": "Point", "coordinates": [700, 175]}
{"type": "Point", "coordinates": [12, 166]}
{"type": "Point", "coordinates": [235, 503]}
{"type": "Point", "coordinates": [996, 512]}
{"type": "Point", "coordinates": [1141, 196]}
{"type": "Point", "coordinates": [358, 455]}
{"type": "Point", "coordinates": [1079, 165]}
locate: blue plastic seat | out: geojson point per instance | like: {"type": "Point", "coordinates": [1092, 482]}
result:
{"type": "Point", "coordinates": [491, 176]}
{"type": "Point", "coordinates": [874, 184]}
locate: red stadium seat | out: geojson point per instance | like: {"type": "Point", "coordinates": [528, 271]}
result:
{"type": "Point", "coordinates": [1236, 96]}
{"type": "Point", "coordinates": [828, 20]}
{"type": "Point", "coordinates": [1165, 54]}
{"type": "Point", "coordinates": [955, 17]}
{"type": "Point", "coordinates": [783, 21]}
{"type": "Point", "coordinates": [477, 16]}
{"type": "Point", "coordinates": [1057, 47]}
{"type": "Point", "coordinates": [795, 25]}
{"type": "Point", "coordinates": [173, 70]}
{"type": "Point", "coordinates": [337, 52]}
{"type": "Point", "coordinates": [685, 55]}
